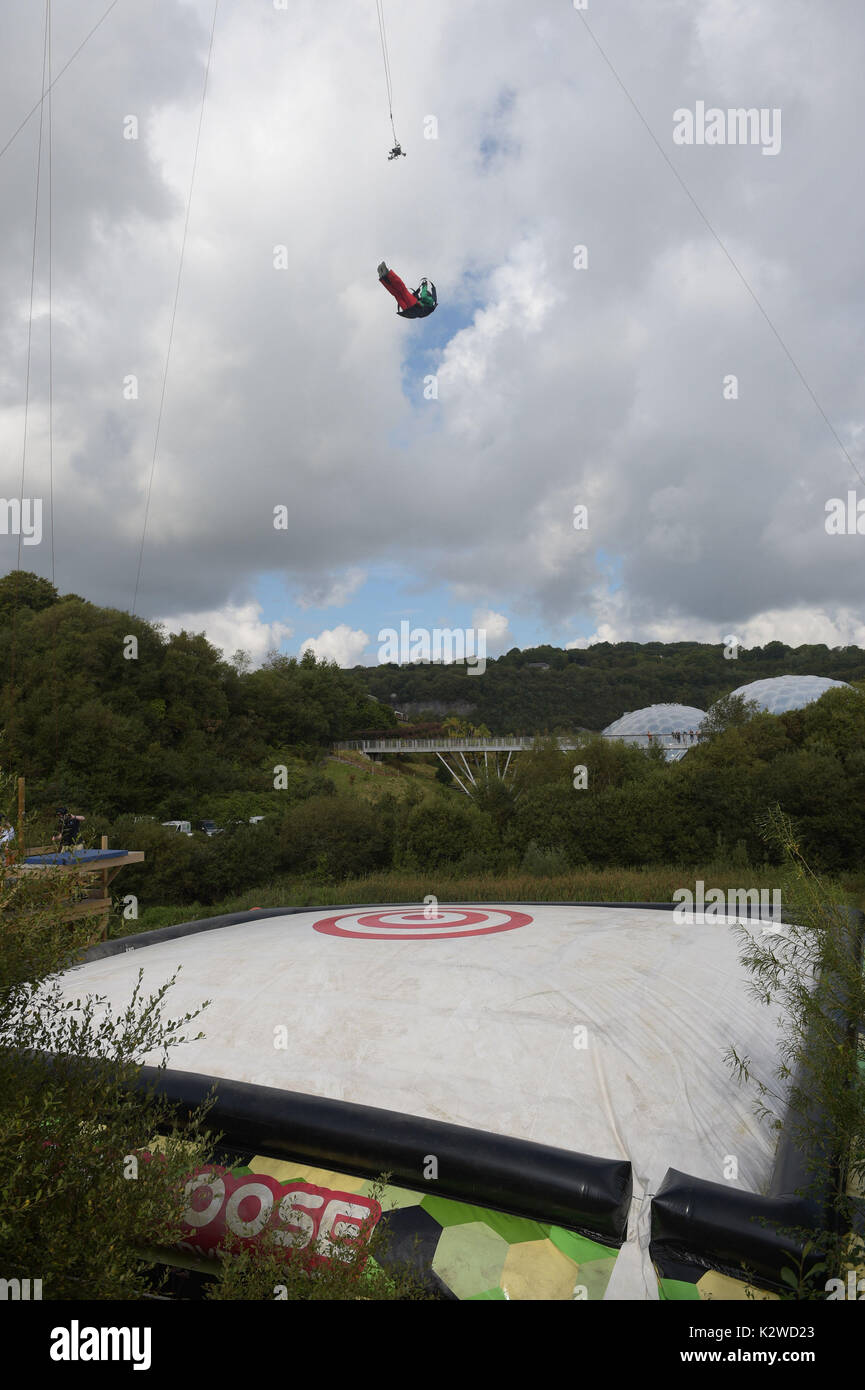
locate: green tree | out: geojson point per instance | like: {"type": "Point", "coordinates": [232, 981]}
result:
{"type": "Point", "coordinates": [20, 589]}
{"type": "Point", "coordinates": [440, 832]}
{"type": "Point", "coordinates": [729, 712]}
{"type": "Point", "coordinates": [339, 836]}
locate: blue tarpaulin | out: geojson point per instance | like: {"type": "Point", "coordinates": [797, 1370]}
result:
{"type": "Point", "coordinates": [83, 856]}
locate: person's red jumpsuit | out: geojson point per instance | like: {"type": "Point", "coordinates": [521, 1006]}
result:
{"type": "Point", "coordinates": [397, 287]}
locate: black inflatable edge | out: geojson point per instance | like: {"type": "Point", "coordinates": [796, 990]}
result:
{"type": "Point", "coordinates": [118, 945]}
{"type": "Point", "coordinates": [585, 1194]}
{"type": "Point", "coordinates": [716, 1227]}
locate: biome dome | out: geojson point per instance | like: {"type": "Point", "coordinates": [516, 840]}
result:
{"type": "Point", "coordinates": [777, 694]}
{"type": "Point", "coordinates": [656, 719]}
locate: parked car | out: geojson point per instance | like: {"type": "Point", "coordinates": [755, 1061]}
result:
{"type": "Point", "coordinates": [253, 820]}
{"type": "Point", "coordinates": [183, 827]}
{"type": "Point", "coordinates": [209, 827]}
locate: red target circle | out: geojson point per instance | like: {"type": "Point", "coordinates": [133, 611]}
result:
{"type": "Point", "coordinates": [381, 926]}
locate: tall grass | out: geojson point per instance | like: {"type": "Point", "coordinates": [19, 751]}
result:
{"type": "Point", "coordinates": [655, 883]}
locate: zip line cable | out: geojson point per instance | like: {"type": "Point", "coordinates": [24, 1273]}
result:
{"type": "Point", "coordinates": [384, 54]}
{"type": "Point", "coordinates": [671, 166]}
{"type": "Point", "coordinates": [174, 311]}
{"type": "Point", "coordinates": [38, 104]}
{"type": "Point", "coordinates": [27, 385]}
{"type": "Point", "coordinates": [53, 614]}
{"type": "Point", "coordinates": [32, 282]}
{"type": "Point", "coordinates": [50, 303]}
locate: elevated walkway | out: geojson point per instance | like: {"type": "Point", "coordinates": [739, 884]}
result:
{"type": "Point", "coordinates": [465, 753]}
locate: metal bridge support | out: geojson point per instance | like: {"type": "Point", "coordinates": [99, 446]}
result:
{"type": "Point", "coordinates": [453, 774]}
{"type": "Point", "coordinates": [473, 774]}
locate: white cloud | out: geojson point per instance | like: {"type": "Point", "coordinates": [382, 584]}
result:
{"type": "Point", "coordinates": [804, 627]}
{"type": "Point", "coordinates": [795, 627]}
{"type": "Point", "coordinates": [497, 629]}
{"type": "Point", "coordinates": [233, 627]}
{"type": "Point", "coordinates": [557, 386]}
{"type": "Point", "coordinates": [342, 644]}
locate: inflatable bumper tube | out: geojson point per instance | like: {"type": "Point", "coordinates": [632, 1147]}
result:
{"type": "Point", "coordinates": [589, 1195]}
{"type": "Point", "coordinates": [717, 1227]}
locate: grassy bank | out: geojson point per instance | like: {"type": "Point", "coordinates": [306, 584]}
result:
{"type": "Point", "coordinates": [653, 884]}
{"type": "Point", "coordinates": [352, 772]}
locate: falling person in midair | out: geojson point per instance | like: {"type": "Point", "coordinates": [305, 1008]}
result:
{"type": "Point", "coordinates": [411, 304]}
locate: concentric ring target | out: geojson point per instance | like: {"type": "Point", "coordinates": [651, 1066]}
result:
{"type": "Point", "coordinates": [413, 924]}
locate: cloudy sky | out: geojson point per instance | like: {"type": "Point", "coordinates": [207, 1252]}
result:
{"type": "Point", "coordinates": [429, 470]}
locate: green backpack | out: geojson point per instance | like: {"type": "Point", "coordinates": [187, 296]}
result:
{"type": "Point", "coordinates": [427, 295]}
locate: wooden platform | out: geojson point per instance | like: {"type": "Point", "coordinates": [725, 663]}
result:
{"type": "Point", "coordinates": [87, 866]}
{"type": "Point", "coordinates": [97, 902]}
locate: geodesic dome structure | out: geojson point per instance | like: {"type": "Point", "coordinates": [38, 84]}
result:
{"type": "Point", "coordinates": [655, 719]}
{"type": "Point", "coordinates": [780, 693]}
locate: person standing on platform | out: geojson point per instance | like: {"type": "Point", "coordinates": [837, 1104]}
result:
{"type": "Point", "coordinates": [68, 826]}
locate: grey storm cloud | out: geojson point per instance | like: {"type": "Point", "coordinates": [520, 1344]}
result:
{"type": "Point", "coordinates": [289, 388]}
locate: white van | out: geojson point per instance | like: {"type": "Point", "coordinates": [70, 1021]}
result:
{"type": "Point", "coordinates": [183, 827]}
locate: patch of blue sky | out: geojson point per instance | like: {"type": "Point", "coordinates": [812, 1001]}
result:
{"type": "Point", "coordinates": [276, 607]}
{"type": "Point", "coordinates": [390, 596]}
{"type": "Point", "coordinates": [392, 593]}
{"type": "Point", "coordinates": [610, 567]}
{"type": "Point", "coordinates": [498, 143]}
{"type": "Point", "coordinates": [428, 338]}
{"type": "Point", "coordinates": [491, 146]}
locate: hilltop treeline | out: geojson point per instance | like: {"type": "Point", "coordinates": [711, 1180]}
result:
{"type": "Point", "coordinates": [174, 730]}
{"type": "Point", "coordinates": [163, 731]}
{"type": "Point", "coordinates": [589, 689]}
{"type": "Point", "coordinates": [635, 809]}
